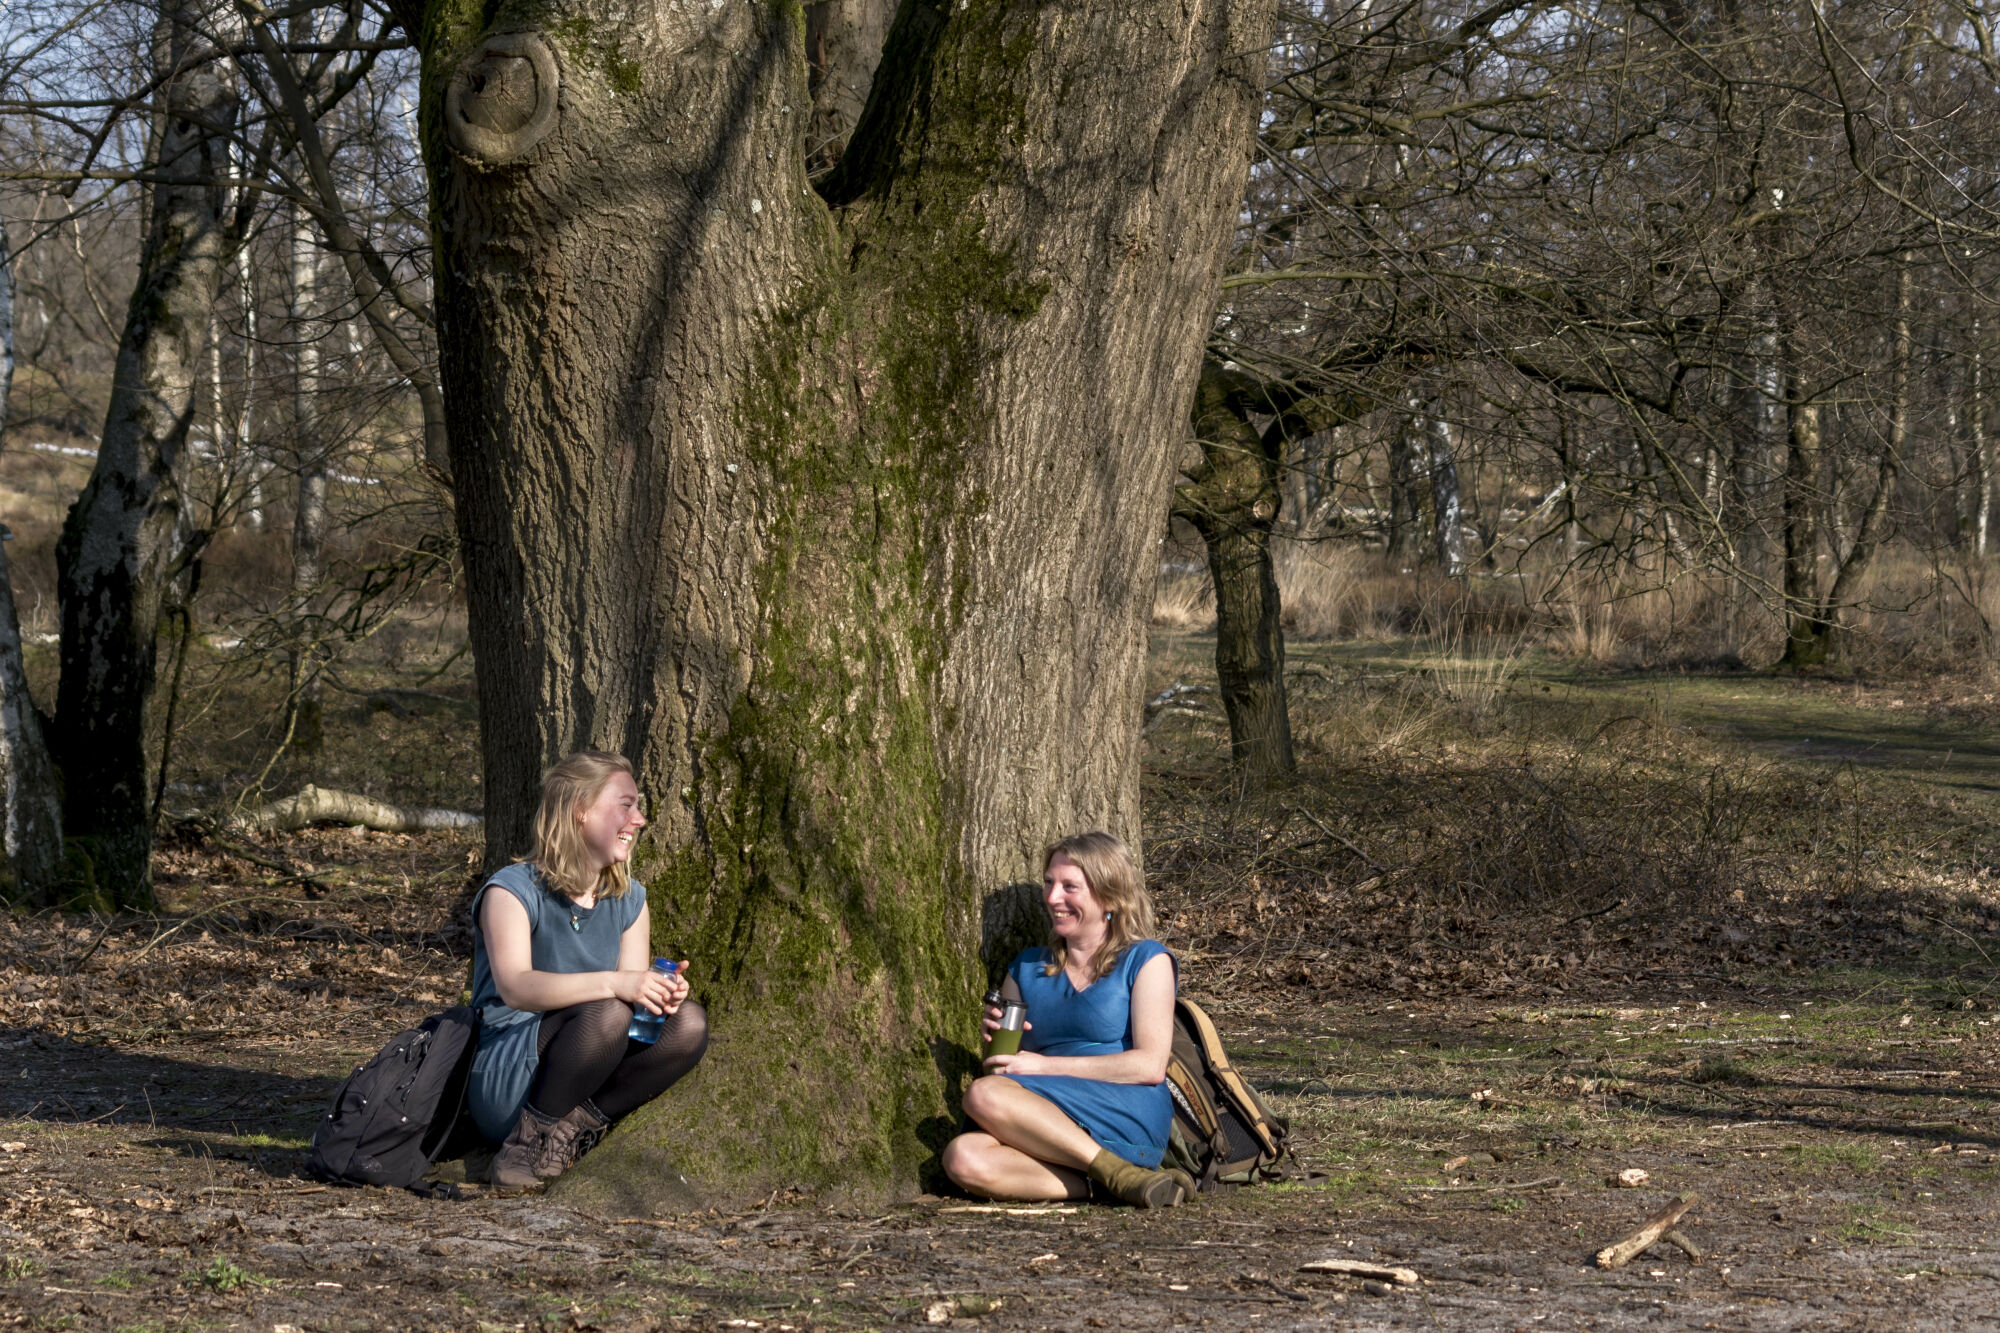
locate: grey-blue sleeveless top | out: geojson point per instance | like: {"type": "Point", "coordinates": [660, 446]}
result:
{"type": "Point", "coordinates": [562, 936]}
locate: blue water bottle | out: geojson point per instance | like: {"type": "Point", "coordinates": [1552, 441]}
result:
{"type": "Point", "coordinates": [647, 1025]}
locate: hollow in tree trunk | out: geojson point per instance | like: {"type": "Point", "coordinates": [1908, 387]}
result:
{"type": "Point", "coordinates": [837, 510]}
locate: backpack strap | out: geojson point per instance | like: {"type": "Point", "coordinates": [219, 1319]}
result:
{"type": "Point", "coordinates": [1248, 1103]}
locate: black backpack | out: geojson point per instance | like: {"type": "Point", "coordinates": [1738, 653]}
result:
{"type": "Point", "coordinates": [398, 1113]}
{"type": "Point", "coordinates": [1222, 1131]}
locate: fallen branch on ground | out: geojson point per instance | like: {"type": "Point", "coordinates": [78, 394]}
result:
{"type": "Point", "coordinates": [316, 805]}
{"type": "Point", "coordinates": [1546, 1182]}
{"type": "Point", "coordinates": [1356, 1268]}
{"type": "Point", "coordinates": [1625, 1251]}
{"type": "Point", "coordinates": [1684, 1245]}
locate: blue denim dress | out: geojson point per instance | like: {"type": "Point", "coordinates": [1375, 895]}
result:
{"type": "Point", "coordinates": [563, 938]}
{"type": "Point", "coordinates": [1131, 1119]}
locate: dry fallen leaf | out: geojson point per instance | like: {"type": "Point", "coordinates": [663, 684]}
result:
{"type": "Point", "coordinates": [13, 1147]}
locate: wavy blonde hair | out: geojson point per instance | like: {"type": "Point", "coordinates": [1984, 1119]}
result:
{"type": "Point", "coordinates": [1115, 881]}
{"type": "Point", "coordinates": [558, 851]}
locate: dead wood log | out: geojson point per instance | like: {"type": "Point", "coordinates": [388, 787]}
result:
{"type": "Point", "coordinates": [317, 805]}
{"type": "Point", "coordinates": [1625, 1251]}
{"type": "Point", "coordinates": [1406, 1277]}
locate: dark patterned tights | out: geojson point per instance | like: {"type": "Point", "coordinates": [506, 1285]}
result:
{"type": "Point", "coordinates": [586, 1056]}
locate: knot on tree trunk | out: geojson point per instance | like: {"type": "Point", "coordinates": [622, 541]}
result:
{"type": "Point", "coordinates": [502, 100]}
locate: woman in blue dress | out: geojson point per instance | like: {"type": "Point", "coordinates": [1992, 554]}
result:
{"type": "Point", "coordinates": [1085, 1100]}
{"type": "Point", "coordinates": [560, 961]}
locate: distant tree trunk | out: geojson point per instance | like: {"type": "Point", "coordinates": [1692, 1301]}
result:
{"type": "Point", "coordinates": [31, 818]}
{"type": "Point", "coordinates": [377, 290]}
{"type": "Point", "coordinates": [1447, 514]}
{"type": "Point", "coordinates": [1805, 645]}
{"type": "Point", "coordinates": [837, 512]}
{"type": "Point", "coordinates": [1406, 454]}
{"type": "Point", "coordinates": [1982, 446]}
{"type": "Point", "coordinates": [121, 543]}
{"type": "Point", "coordinates": [1232, 498]}
{"type": "Point", "coordinates": [309, 522]}
{"type": "Point", "coordinates": [1761, 429]}
{"type": "Point", "coordinates": [1812, 621]}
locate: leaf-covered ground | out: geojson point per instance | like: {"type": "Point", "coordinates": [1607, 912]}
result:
{"type": "Point", "coordinates": [1503, 940]}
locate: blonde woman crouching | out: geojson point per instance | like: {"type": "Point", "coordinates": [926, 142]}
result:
{"type": "Point", "coordinates": [560, 961]}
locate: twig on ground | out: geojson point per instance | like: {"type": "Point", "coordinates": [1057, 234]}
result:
{"type": "Point", "coordinates": [1625, 1251]}
{"type": "Point", "coordinates": [1546, 1182]}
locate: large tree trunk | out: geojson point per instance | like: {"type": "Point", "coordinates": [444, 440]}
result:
{"type": "Point", "coordinates": [840, 520]}
{"type": "Point", "coordinates": [1232, 499]}
{"type": "Point", "coordinates": [30, 812]}
{"type": "Point", "coordinates": [122, 540]}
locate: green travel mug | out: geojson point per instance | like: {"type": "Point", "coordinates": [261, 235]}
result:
{"type": "Point", "coordinates": [1007, 1040]}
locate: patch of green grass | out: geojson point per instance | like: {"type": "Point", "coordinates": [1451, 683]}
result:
{"type": "Point", "coordinates": [294, 1142]}
{"type": "Point", "coordinates": [1845, 1156]}
{"type": "Point", "coordinates": [123, 1279]}
{"type": "Point", "coordinates": [1867, 1224]}
{"type": "Point", "coordinates": [14, 1267]}
{"type": "Point", "coordinates": [223, 1275]}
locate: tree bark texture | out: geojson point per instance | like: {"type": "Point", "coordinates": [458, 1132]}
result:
{"type": "Point", "coordinates": [31, 818]}
{"type": "Point", "coordinates": [121, 542]}
{"type": "Point", "coordinates": [1232, 498]}
{"type": "Point", "coordinates": [836, 511]}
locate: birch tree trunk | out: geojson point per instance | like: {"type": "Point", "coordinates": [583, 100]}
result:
{"type": "Point", "coordinates": [309, 520]}
{"type": "Point", "coordinates": [836, 511]}
{"type": "Point", "coordinates": [1982, 446]}
{"type": "Point", "coordinates": [31, 818]}
{"type": "Point", "coordinates": [1447, 514]}
{"type": "Point", "coordinates": [121, 541]}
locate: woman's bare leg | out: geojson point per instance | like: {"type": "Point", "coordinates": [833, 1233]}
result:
{"type": "Point", "coordinates": [1029, 1150]}
{"type": "Point", "coordinates": [981, 1164]}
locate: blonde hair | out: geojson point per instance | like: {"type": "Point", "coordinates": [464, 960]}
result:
{"type": "Point", "coordinates": [558, 851]}
{"type": "Point", "coordinates": [1117, 884]}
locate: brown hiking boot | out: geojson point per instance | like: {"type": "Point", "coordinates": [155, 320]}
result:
{"type": "Point", "coordinates": [1137, 1185]}
{"type": "Point", "coordinates": [514, 1165]}
{"type": "Point", "coordinates": [574, 1135]}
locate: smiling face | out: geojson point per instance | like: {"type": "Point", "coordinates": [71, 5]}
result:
{"type": "Point", "coordinates": [1076, 915]}
{"type": "Point", "coordinates": [611, 822]}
